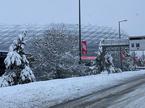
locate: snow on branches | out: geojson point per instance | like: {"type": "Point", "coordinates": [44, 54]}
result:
{"type": "Point", "coordinates": [13, 58]}
{"type": "Point", "coordinates": [109, 63]}
{"type": "Point", "coordinates": [100, 47]}
{"type": "Point", "coordinates": [27, 74]}
{"type": "Point", "coordinates": [100, 57]}
{"type": "Point", "coordinates": [18, 70]}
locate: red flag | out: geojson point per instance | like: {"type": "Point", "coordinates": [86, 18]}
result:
{"type": "Point", "coordinates": [84, 47]}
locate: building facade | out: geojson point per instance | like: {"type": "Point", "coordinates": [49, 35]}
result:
{"type": "Point", "coordinates": [137, 43]}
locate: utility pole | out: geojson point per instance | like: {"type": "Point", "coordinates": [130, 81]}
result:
{"type": "Point", "coordinates": [80, 49]}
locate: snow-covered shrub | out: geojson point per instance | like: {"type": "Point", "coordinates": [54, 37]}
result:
{"type": "Point", "coordinates": [92, 70]}
{"type": "Point", "coordinates": [56, 54]}
{"type": "Point", "coordinates": [17, 65]}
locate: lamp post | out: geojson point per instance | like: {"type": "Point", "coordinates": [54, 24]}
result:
{"type": "Point", "coordinates": [120, 39]}
{"type": "Point", "coordinates": [80, 52]}
{"type": "Point", "coordinates": [119, 27]}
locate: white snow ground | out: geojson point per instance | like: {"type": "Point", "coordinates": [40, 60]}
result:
{"type": "Point", "coordinates": [47, 93]}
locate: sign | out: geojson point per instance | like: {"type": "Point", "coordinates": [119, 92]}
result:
{"type": "Point", "coordinates": [84, 47]}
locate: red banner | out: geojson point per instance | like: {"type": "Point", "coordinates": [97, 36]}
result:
{"type": "Point", "coordinates": [84, 47]}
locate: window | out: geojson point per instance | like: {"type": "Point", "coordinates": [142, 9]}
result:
{"type": "Point", "coordinates": [137, 45]}
{"type": "Point", "coordinates": [132, 44]}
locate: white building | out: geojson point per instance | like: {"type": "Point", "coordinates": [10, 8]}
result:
{"type": "Point", "coordinates": [137, 43]}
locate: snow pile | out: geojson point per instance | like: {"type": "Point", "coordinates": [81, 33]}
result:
{"type": "Point", "coordinates": [48, 93]}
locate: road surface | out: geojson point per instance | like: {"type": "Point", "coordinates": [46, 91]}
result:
{"type": "Point", "coordinates": [124, 95]}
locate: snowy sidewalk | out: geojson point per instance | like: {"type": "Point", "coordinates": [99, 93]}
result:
{"type": "Point", "coordinates": [47, 93]}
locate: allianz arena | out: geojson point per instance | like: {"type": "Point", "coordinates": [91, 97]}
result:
{"type": "Point", "coordinates": [90, 33]}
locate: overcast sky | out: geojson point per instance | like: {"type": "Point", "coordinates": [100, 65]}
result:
{"type": "Point", "coordinates": [95, 12]}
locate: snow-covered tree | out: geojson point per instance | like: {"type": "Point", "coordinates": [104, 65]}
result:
{"type": "Point", "coordinates": [127, 61]}
{"type": "Point", "coordinates": [17, 65]}
{"type": "Point", "coordinates": [100, 58]}
{"type": "Point", "coordinates": [56, 54]}
{"type": "Point", "coordinates": [109, 63]}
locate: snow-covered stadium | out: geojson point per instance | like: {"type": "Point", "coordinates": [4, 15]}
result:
{"type": "Point", "coordinates": [90, 33]}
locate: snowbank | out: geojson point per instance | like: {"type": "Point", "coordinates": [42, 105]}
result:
{"type": "Point", "coordinates": [47, 93]}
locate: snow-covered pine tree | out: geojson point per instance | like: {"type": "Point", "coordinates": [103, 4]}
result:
{"type": "Point", "coordinates": [17, 65]}
{"type": "Point", "coordinates": [99, 58]}
{"type": "Point", "coordinates": [109, 63]}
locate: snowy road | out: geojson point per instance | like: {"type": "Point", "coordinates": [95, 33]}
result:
{"type": "Point", "coordinates": [116, 90]}
{"type": "Point", "coordinates": [130, 94]}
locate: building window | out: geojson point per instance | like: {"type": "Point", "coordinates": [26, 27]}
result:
{"type": "Point", "coordinates": [132, 44]}
{"type": "Point", "coordinates": [137, 45]}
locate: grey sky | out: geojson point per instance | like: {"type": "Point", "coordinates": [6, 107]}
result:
{"type": "Point", "coordinates": [99, 12]}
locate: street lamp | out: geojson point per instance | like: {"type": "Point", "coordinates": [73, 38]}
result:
{"type": "Point", "coordinates": [119, 27]}
{"type": "Point", "coordinates": [120, 39]}
{"type": "Point", "coordinates": [80, 53]}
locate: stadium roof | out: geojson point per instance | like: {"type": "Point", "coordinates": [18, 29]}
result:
{"type": "Point", "coordinates": [90, 33]}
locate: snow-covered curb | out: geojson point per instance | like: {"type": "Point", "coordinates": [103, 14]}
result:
{"type": "Point", "coordinates": [48, 93]}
